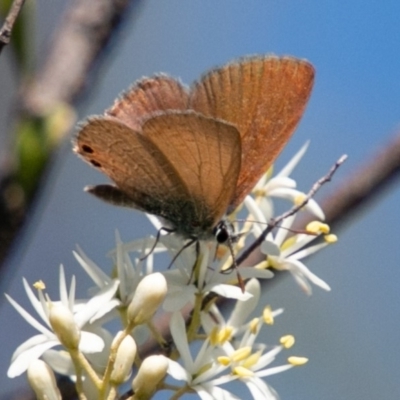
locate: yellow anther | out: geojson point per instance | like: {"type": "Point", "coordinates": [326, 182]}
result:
{"type": "Point", "coordinates": [267, 316]}
{"type": "Point", "coordinates": [241, 354]}
{"type": "Point", "coordinates": [242, 372]}
{"type": "Point", "coordinates": [251, 360]}
{"type": "Point", "coordinates": [317, 227]}
{"type": "Point", "coordinates": [224, 334]}
{"type": "Point", "coordinates": [287, 341]}
{"type": "Point", "coordinates": [330, 238]}
{"type": "Point", "coordinates": [253, 326]}
{"type": "Point", "coordinates": [224, 360]}
{"type": "Point", "coordinates": [297, 361]}
{"type": "Point", "coordinates": [39, 285]}
{"type": "Point", "coordinates": [214, 336]}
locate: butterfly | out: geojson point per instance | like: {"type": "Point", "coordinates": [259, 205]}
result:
{"type": "Point", "coordinates": [191, 155]}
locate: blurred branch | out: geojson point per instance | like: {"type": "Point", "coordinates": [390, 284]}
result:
{"type": "Point", "coordinates": [46, 106]}
{"type": "Point", "coordinates": [365, 185]}
{"type": "Point", "coordinates": [6, 29]}
{"type": "Point", "coordinates": [84, 33]}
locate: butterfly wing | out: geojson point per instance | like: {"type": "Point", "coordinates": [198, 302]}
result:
{"type": "Point", "coordinates": [182, 166]}
{"type": "Point", "coordinates": [264, 97]}
{"type": "Point", "coordinates": [146, 96]}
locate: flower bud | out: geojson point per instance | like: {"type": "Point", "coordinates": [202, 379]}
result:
{"type": "Point", "coordinates": [150, 374]}
{"type": "Point", "coordinates": [148, 296]}
{"type": "Point", "coordinates": [124, 360]}
{"type": "Point", "coordinates": [64, 326]}
{"type": "Point", "coordinates": [42, 381]}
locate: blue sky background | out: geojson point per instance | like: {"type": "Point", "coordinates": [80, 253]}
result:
{"type": "Point", "coordinates": [350, 334]}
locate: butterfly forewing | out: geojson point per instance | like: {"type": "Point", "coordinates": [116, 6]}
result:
{"type": "Point", "coordinates": [205, 154]}
{"type": "Point", "coordinates": [182, 166]}
{"type": "Point", "coordinates": [146, 96]}
{"type": "Point", "coordinates": [264, 97]}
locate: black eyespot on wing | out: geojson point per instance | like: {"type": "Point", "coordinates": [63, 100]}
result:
{"type": "Point", "coordinates": [95, 163]}
{"type": "Point", "coordinates": [87, 149]}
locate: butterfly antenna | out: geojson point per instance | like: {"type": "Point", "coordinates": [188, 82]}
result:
{"type": "Point", "coordinates": [292, 230]}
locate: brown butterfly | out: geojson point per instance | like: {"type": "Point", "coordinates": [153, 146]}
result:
{"type": "Point", "coordinates": [190, 156]}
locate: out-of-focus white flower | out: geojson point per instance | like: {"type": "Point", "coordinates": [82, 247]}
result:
{"type": "Point", "coordinates": [82, 312]}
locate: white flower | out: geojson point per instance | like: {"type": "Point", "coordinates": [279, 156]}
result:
{"type": "Point", "coordinates": [248, 361]}
{"type": "Point", "coordinates": [221, 330]}
{"type": "Point", "coordinates": [127, 272]}
{"type": "Point", "coordinates": [186, 282]}
{"type": "Point", "coordinates": [281, 186]}
{"type": "Point", "coordinates": [286, 254]}
{"type": "Point", "coordinates": [200, 372]}
{"type": "Point", "coordinates": [214, 366]}
{"type": "Point", "coordinates": [83, 312]}
{"type": "Point", "coordinates": [249, 367]}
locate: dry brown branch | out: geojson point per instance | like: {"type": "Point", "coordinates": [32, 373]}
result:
{"type": "Point", "coordinates": [6, 29]}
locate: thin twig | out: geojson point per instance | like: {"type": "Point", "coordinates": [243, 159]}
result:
{"type": "Point", "coordinates": [273, 223]}
{"type": "Point", "coordinates": [6, 29]}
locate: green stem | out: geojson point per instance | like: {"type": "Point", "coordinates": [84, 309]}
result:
{"type": "Point", "coordinates": [75, 356]}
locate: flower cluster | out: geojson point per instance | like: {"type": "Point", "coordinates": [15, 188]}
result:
{"type": "Point", "coordinates": [203, 349]}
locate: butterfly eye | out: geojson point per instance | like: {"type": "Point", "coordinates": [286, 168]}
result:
{"type": "Point", "coordinates": [221, 232]}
